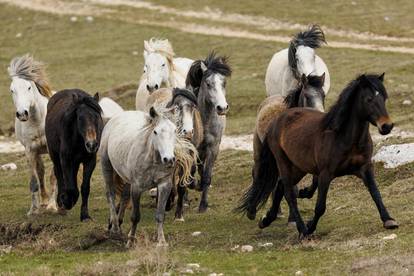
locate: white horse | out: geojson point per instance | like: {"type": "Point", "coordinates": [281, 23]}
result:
{"type": "Point", "coordinates": [144, 151]}
{"type": "Point", "coordinates": [161, 69]}
{"type": "Point", "coordinates": [30, 91]}
{"type": "Point", "coordinates": [288, 65]}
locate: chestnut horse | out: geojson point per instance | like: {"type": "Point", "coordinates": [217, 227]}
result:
{"type": "Point", "coordinates": [328, 145]}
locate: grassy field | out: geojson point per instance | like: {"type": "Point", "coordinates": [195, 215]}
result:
{"type": "Point", "coordinates": [99, 55]}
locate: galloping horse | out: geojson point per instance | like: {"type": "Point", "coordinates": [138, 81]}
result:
{"type": "Point", "coordinates": [161, 69]}
{"type": "Point", "coordinates": [207, 78]}
{"type": "Point", "coordinates": [73, 131]}
{"type": "Point", "coordinates": [328, 145]}
{"type": "Point", "coordinates": [30, 90]}
{"type": "Point", "coordinates": [288, 65]}
{"type": "Point", "coordinates": [309, 93]}
{"type": "Point", "coordinates": [143, 149]}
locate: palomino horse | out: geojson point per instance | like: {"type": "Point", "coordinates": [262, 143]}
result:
{"type": "Point", "coordinates": [73, 131]}
{"type": "Point", "coordinates": [30, 91]}
{"type": "Point", "coordinates": [161, 69]}
{"type": "Point", "coordinates": [309, 93]}
{"type": "Point", "coordinates": [142, 150]}
{"type": "Point", "coordinates": [328, 145]}
{"type": "Point", "coordinates": [288, 65]}
{"type": "Point", "coordinates": [207, 78]}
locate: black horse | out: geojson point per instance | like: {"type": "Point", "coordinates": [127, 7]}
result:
{"type": "Point", "coordinates": [73, 132]}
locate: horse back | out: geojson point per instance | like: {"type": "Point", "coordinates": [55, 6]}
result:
{"type": "Point", "coordinates": [269, 109]}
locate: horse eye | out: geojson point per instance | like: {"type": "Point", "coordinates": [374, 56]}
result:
{"type": "Point", "coordinates": [155, 132]}
{"type": "Point", "coordinates": [163, 65]}
{"type": "Point", "coordinates": [29, 88]}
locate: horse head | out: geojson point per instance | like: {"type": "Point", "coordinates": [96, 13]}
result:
{"type": "Point", "coordinates": [312, 94]}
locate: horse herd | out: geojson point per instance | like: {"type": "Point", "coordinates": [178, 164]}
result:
{"type": "Point", "coordinates": [176, 131]}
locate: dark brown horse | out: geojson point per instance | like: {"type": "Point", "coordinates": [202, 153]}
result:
{"type": "Point", "coordinates": [328, 145]}
{"type": "Point", "coordinates": [73, 132]}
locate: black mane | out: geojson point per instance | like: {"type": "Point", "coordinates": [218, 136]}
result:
{"type": "Point", "coordinates": [215, 65]}
{"type": "Point", "coordinates": [314, 37]}
{"type": "Point", "coordinates": [82, 99]}
{"type": "Point", "coordinates": [340, 112]}
{"type": "Point", "coordinates": [183, 93]}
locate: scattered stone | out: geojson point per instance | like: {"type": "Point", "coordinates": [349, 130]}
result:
{"type": "Point", "coordinates": [407, 102]}
{"type": "Point", "coordinates": [215, 274]}
{"type": "Point", "coordinates": [18, 35]}
{"type": "Point", "coordinates": [390, 237]}
{"type": "Point", "coordinates": [19, 19]}
{"type": "Point", "coordinates": [5, 249]}
{"type": "Point", "coordinates": [353, 3]}
{"type": "Point", "coordinates": [8, 167]}
{"type": "Point", "coordinates": [134, 53]}
{"type": "Point", "coordinates": [234, 248]}
{"type": "Point", "coordinates": [246, 248]}
{"type": "Point", "coordinates": [166, 274]}
{"type": "Point", "coordinates": [73, 19]}
{"type": "Point", "coordinates": [89, 18]}
{"type": "Point", "coordinates": [386, 18]}
{"type": "Point", "coordinates": [194, 266]}
{"type": "Point", "coordinates": [299, 273]}
{"type": "Point", "coordinates": [266, 244]}
{"type": "Point", "coordinates": [187, 271]}
{"type": "Point", "coordinates": [196, 234]}
{"type": "Point", "coordinates": [395, 155]}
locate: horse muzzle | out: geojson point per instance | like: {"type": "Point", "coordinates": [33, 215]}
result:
{"type": "Point", "coordinates": [152, 88]}
{"type": "Point", "coordinates": [222, 110]}
{"type": "Point", "coordinates": [168, 161]}
{"type": "Point", "coordinates": [91, 146]}
{"type": "Point", "coordinates": [384, 125]}
{"type": "Point", "coordinates": [22, 116]}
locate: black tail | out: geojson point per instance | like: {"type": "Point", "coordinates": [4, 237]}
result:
{"type": "Point", "coordinates": [263, 184]}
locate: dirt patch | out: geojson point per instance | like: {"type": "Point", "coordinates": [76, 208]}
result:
{"type": "Point", "coordinates": [386, 265]}
{"type": "Point", "coordinates": [18, 233]}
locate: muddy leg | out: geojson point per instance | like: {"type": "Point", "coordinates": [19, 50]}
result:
{"type": "Point", "coordinates": [135, 215]}
{"type": "Point", "coordinates": [34, 184]}
{"type": "Point", "coordinates": [181, 190]}
{"type": "Point", "coordinates": [163, 194]}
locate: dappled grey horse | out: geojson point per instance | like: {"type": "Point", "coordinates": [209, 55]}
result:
{"type": "Point", "coordinates": [207, 78]}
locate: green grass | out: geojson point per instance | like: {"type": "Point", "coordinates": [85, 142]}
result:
{"type": "Point", "coordinates": [98, 56]}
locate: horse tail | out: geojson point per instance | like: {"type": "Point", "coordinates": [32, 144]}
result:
{"type": "Point", "coordinates": [264, 182]}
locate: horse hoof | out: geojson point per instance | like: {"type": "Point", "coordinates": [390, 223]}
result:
{"type": "Point", "coordinates": [261, 224]}
{"type": "Point", "coordinates": [33, 212]}
{"type": "Point", "coordinates": [180, 219]}
{"type": "Point", "coordinates": [390, 224]}
{"type": "Point", "coordinates": [153, 192]}
{"type": "Point", "coordinates": [251, 215]}
{"type": "Point", "coordinates": [291, 224]}
{"type": "Point", "coordinates": [52, 207]}
{"type": "Point", "coordinates": [87, 219]}
{"type": "Point", "coordinates": [130, 244]}
{"type": "Point", "coordinates": [62, 211]}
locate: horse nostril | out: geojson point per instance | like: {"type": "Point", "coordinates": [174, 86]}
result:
{"type": "Point", "coordinates": [156, 86]}
{"type": "Point", "coordinates": [17, 115]}
{"type": "Point", "coordinates": [26, 113]}
{"type": "Point", "coordinates": [165, 159]}
{"type": "Point", "coordinates": [148, 88]}
{"type": "Point", "coordinates": [173, 160]}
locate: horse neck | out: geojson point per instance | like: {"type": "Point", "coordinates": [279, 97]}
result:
{"type": "Point", "coordinates": [207, 110]}
{"type": "Point", "coordinates": [355, 130]}
{"type": "Point", "coordinates": [39, 107]}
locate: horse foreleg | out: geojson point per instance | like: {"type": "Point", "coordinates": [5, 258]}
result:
{"type": "Point", "coordinates": [123, 203]}
{"type": "Point", "coordinates": [369, 181]}
{"type": "Point", "coordinates": [70, 194]}
{"type": "Point", "coordinates": [34, 183]}
{"type": "Point", "coordinates": [206, 173]}
{"type": "Point", "coordinates": [53, 197]}
{"type": "Point", "coordinates": [40, 171]}
{"type": "Point", "coordinates": [136, 214]}
{"type": "Point", "coordinates": [164, 191]}
{"type": "Point", "coordinates": [108, 176]}
{"type": "Point", "coordinates": [180, 203]}
{"type": "Point", "coordinates": [88, 168]}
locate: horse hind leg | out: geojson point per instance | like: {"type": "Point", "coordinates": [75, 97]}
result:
{"type": "Point", "coordinates": [108, 176]}
{"type": "Point", "coordinates": [164, 191]}
{"type": "Point", "coordinates": [33, 184]}
{"type": "Point", "coordinates": [124, 201]}
{"type": "Point", "coordinates": [181, 190]}
{"type": "Point", "coordinates": [136, 214]}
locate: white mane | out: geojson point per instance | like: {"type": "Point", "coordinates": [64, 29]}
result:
{"type": "Point", "coordinates": [27, 68]}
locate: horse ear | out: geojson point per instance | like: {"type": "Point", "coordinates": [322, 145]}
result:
{"type": "Point", "coordinates": [96, 96]}
{"type": "Point", "coordinates": [203, 66]}
{"type": "Point", "coordinates": [381, 78]}
{"type": "Point", "coordinates": [153, 113]}
{"type": "Point", "coordinates": [75, 97]}
{"type": "Point", "coordinates": [304, 80]}
{"type": "Point", "coordinates": [322, 79]}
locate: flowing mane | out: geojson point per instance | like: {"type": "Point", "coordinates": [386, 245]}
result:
{"type": "Point", "coordinates": [313, 38]}
{"type": "Point", "coordinates": [215, 65]}
{"type": "Point", "coordinates": [27, 68]}
{"type": "Point", "coordinates": [185, 152]}
{"type": "Point", "coordinates": [339, 113]}
{"type": "Point", "coordinates": [161, 46]}
{"type": "Point", "coordinates": [189, 95]}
